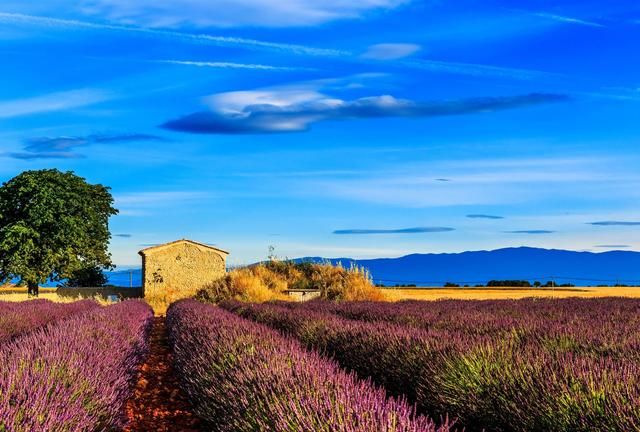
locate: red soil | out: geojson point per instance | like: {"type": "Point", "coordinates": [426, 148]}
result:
{"type": "Point", "coordinates": [158, 404]}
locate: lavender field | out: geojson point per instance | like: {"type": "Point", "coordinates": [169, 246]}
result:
{"type": "Point", "coordinates": [523, 365]}
{"type": "Point", "coordinates": [69, 367]}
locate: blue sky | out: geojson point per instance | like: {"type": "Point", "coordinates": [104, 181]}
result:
{"type": "Point", "coordinates": [364, 129]}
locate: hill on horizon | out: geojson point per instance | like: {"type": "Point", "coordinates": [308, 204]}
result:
{"type": "Point", "coordinates": [521, 263]}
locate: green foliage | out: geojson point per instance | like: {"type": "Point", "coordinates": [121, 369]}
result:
{"type": "Point", "coordinates": [53, 225]}
{"type": "Point", "coordinates": [91, 276]}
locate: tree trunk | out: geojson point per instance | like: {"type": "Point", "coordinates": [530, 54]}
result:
{"type": "Point", "coordinates": [32, 289]}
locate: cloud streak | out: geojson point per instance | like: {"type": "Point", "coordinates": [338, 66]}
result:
{"type": "Point", "coordinates": [58, 101]}
{"type": "Point", "coordinates": [391, 51]}
{"type": "Point", "coordinates": [569, 20]}
{"type": "Point", "coordinates": [147, 203]}
{"type": "Point", "coordinates": [484, 216]}
{"type": "Point", "coordinates": [44, 155]}
{"type": "Point", "coordinates": [62, 147]}
{"type": "Point", "coordinates": [375, 53]}
{"type": "Point", "coordinates": [533, 232]}
{"type": "Point", "coordinates": [416, 230]}
{"type": "Point", "coordinates": [620, 246]}
{"type": "Point", "coordinates": [296, 108]}
{"type": "Point", "coordinates": [477, 70]}
{"type": "Point", "coordinates": [615, 223]}
{"type": "Point", "coordinates": [176, 35]}
{"type": "Point", "coordinates": [231, 65]}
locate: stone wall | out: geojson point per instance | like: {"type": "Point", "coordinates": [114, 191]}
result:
{"type": "Point", "coordinates": [179, 270]}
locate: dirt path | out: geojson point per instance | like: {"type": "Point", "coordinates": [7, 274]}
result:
{"type": "Point", "coordinates": [157, 403]}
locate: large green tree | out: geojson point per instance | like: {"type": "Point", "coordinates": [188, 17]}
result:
{"type": "Point", "coordinates": [53, 225]}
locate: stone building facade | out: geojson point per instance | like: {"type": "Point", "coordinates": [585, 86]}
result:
{"type": "Point", "coordinates": [179, 269]}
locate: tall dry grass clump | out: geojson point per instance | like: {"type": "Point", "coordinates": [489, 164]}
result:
{"type": "Point", "coordinates": [269, 281]}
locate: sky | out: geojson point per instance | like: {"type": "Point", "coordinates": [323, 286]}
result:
{"type": "Point", "coordinates": [368, 128]}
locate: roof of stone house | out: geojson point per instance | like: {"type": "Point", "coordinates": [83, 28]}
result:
{"type": "Point", "coordinates": [173, 243]}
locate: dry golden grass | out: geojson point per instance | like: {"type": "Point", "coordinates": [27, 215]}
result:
{"type": "Point", "coordinates": [270, 281]}
{"type": "Point", "coordinates": [436, 293]}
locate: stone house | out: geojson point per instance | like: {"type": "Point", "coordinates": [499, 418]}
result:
{"type": "Point", "coordinates": [179, 269]}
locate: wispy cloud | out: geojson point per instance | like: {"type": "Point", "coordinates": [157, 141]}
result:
{"type": "Point", "coordinates": [207, 13]}
{"type": "Point", "coordinates": [477, 70]}
{"type": "Point", "coordinates": [231, 65]}
{"type": "Point", "coordinates": [615, 223]}
{"type": "Point", "coordinates": [391, 51]}
{"type": "Point", "coordinates": [484, 216]}
{"type": "Point", "coordinates": [614, 246]}
{"type": "Point", "coordinates": [568, 20]}
{"type": "Point", "coordinates": [157, 197]}
{"type": "Point", "coordinates": [176, 35]}
{"type": "Point", "coordinates": [62, 147]}
{"type": "Point", "coordinates": [44, 155]}
{"type": "Point", "coordinates": [529, 232]}
{"type": "Point", "coordinates": [417, 230]}
{"type": "Point", "coordinates": [483, 182]}
{"type": "Point", "coordinates": [150, 202]}
{"type": "Point", "coordinates": [296, 107]}
{"type": "Point", "coordinates": [59, 101]}
{"type": "Point", "coordinates": [379, 52]}
{"type": "Point", "coordinates": [123, 235]}
{"type": "Point", "coordinates": [443, 180]}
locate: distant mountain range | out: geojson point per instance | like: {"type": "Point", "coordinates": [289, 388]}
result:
{"type": "Point", "coordinates": [523, 263]}
{"type": "Point", "coordinates": [479, 267]}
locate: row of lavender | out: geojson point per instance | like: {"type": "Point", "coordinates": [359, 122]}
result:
{"type": "Point", "coordinates": [529, 317]}
{"type": "Point", "coordinates": [510, 366]}
{"type": "Point", "coordinates": [242, 376]}
{"type": "Point", "coordinates": [74, 374]}
{"type": "Point", "coordinates": [596, 327]}
{"type": "Point", "coordinates": [17, 318]}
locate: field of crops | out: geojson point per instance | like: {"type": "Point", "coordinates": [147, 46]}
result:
{"type": "Point", "coordinates": [525, 365]}
{"type": "Point", "coordinates": [69, 367]}
{"type": "Point", "coordinates": [495, 365]}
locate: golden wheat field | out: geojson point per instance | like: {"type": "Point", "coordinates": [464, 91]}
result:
{"type": "Point", "coordinates": [13, 294]}
{"type": "Point", "coordinates": [439, 293]}
{"type": "Point", "coordinates": [400, 293]}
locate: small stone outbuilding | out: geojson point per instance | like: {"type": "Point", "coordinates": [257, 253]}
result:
{"type": "Point", "coordinates": [179, 269]}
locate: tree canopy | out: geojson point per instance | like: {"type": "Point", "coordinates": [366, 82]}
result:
{"type": "Point", "coordinates": [53, 225]}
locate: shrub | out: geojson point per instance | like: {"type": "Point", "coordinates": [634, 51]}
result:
{"type": "Point", "coordinates": [269, 281]}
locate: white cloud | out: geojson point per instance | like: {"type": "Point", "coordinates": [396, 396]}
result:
{"type": "Point", "coordinates": [231, 13]}
{"type": "Point", "coordinates": [235, 102]}
{"type": "Point", "coordinates": [296, 107]}
{"type": "Point", "coordinates": [58, 101]}
{"type": "Point", "coordinates": [391, 51]}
